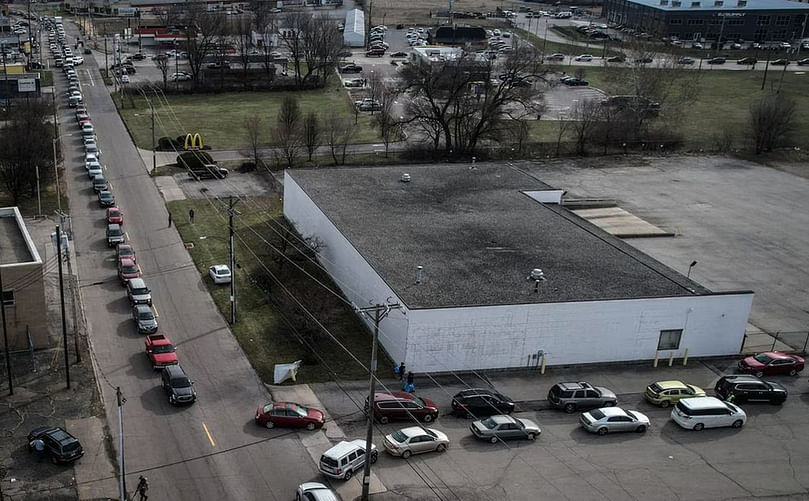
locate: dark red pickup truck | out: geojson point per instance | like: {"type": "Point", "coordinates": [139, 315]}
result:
{"type": "Point", "coordinates": [160, 351]}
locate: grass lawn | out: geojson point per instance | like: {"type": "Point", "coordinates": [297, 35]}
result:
{"type": "Point", "coordinates": [28, 204]}
{"type": "Point", "coordinates": [722, 102]}
{"type": "Point", "coordinates": [219, 118]}
{"type": "Point", "coordinates": [266, 328]}
{"type": "Point", "coordinates": [45, 78]}
{"type": "Point", "coordinates": [562, 48]}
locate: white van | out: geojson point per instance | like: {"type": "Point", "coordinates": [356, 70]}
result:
{"type": "Point", "coordinates": [342, 460]}
{"type": "Point", "coordinates": [564, 15]}
{"type": "Point", "coordinates": [707, 412]}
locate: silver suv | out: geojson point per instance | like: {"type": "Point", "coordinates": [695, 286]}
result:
{"type": "Point", "coordinates": [342, 460]}
{"type": "Point", "coordinates": [581, 395]}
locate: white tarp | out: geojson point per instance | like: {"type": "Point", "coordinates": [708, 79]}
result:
{"type": "Point", "coordinates": [282, 372]}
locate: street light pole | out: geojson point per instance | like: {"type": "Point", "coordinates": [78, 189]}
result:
{"type": "Point", "coordinates": [690, 266]}
{"type": "Point", "coordinates": [62, 301]}
{"type": "Point", "coordinates": [232, 213]}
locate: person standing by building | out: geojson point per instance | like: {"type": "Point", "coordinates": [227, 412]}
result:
{"type": "Point", "coordinates": [401, 371]}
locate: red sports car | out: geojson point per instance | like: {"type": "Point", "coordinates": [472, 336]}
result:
{"type": "Point", "coordinates": [114, 215]}
{"type": "Point", "coordinates": [289, 415]}
{"type": "Point", "coordinates": [772, 362]}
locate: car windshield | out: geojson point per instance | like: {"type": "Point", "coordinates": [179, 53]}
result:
{"type": "Point", "coordinates": [146, 315]}
{"type": "Point", "coordinates": [125, 251]}
{"type": "Point", "coordinates": [632, 415]}
{"type": "Point", "coordinates": [299, 410]}
{"type": "Point", "coordinates": [419, 401]}
{"type": "Point", "coordinates": [399, 436]}
{"type": "Point", "coordinates": [140, 291]}
{"type": "Point", "coordinates": [597, 414]}
{"type": "Point", "coordinates": [655, 388]}
{"type": "Point", "coordinates": [763, 358]}
{"type": "Point", "coordinates": [129, 270]}
{"type": "Point", "coordinates": [267, 408]}
{"type": "Point", "coordinates": [489, 423]}
{"type": "Point", "coordinates": [163, 348]}
{"type": "Point", "coordinates": [180, 382]}
{"type": "Point", "coordinates": [115, 232]}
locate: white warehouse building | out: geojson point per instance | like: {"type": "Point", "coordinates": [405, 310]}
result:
{"type": "Point", "coordinates": [354, 30]}
{"type": "Point", "coordinates": [477, 234]}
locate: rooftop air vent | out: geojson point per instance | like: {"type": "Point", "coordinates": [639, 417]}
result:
{"type": "Point", "coordinates": [718, 3]}
{"type": "Point", "coordinates": [676, 3]}
{"type": "Point", "coordinates": [694, 5]}
{"type": "Point", "coordinates": [742, 3]}
{"type": "Point", "coordinates": [664, 2]}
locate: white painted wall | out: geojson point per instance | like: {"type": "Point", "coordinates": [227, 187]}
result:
{"type": "Point", "coordinates": [356, 278]}
{"type": "Point", "coordinates": [570, 333]}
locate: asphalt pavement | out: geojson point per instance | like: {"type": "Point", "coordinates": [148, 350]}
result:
{"type": "Point", "coordinates": [212, 449]}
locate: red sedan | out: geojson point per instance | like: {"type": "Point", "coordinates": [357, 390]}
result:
{"type": "Point", "coordinates": [289, 415]}
{"type": "Point", "coordinates": [127, 270]}
{"type": "Point", "coordinates": [772, 362]}
{"type": "Point", "coordinates": [126, 251]}
{"type": "Point", "coordinates": [114, 215]}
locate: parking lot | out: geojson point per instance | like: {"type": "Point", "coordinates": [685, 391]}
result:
{"type": "Point", "coordinates": [764, 458]}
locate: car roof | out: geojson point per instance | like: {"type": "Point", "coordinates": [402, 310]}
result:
{"type": "Point", "coordinates": [413, 431]}
{"type": "Point", "coordinates": [667, 385]}
{"type": "Point", "coordinates": [580, 385]}
{"type": "Point", "coordinates": [702, 402]}
{"type": "Point", "coordinates": [612, 411]}
{"type": "Point", "coordinates": [174, 370]}
{"type": "Point", "coordinates": [113, 226]}
{"type": "Point", "coordinates": [502, 418]}
{"type": "Point", "coordinates": [739, 378]}
{"type": "Point", "coordinates": [126, 261]}
{"type": "Point", "coordinates": [137, 283]}
{"type": "Point", "coordinates": [344, 447]}
{"type": "Point", "coordinates": [143, 307]}
{"type": "Point", "coordinates": [318, 491]}
{"type": "Point", "coordinates": [220, 267]}
{"type": "Point", "coordinates": [396, 395]}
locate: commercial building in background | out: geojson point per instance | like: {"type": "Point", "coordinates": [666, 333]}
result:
{"type": "Point", "coordinates": [354, 32]}
{"type": "Point", "coordinates": [728, 20]}
{"type": "Point", "coordinates": [23, 291]}
{"type": "Point", "coordinates": [461, 250]}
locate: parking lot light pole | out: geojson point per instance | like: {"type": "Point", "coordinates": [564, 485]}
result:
{"type": "Point", "coordinates": [56, 174]}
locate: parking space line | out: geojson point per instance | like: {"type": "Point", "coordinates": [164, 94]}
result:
{"type": "Point", "coordinates": [109, 183]}
{"type": "Point", "coordinates": [154, 307]}
{"type": "Point", "coordinates": [210, 438]}
{"type": "Point", "coordinates": [126, 234]}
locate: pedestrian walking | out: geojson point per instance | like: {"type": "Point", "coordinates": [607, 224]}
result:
{"type": "Point", "coordinates": [142, 489]}
{"type": "Point", "coordinates": [401, 371]}
{"type": "Point", "coordinates": [191, 215]}
{"type": "Point", "coordinates": [39, 448]}
{"type": "Point", "coordinates": [409, 386]}
{"type": "Point", "coordinates": [169, 219]}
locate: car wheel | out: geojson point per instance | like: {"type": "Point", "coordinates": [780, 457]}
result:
{"type": "Point", "coordinates": [310, 426]}
{"type": "Point", "coordinates": [759, 373]}
{"type": "Point", "coordinates": [406, 454]}
{"type": "Point", "coordinates": [374, 457]}
{"type": "Point", "coordinates": [738, 423]}
{"type": "Point", "coordinates": [428, 418]}
{"type": "Point", "coordinates": [665, 403]}
{"type": "Point", "coordinates": [609, 404]}
{"type": "Point", "coordinates": [53, 460]}
{"type": "Point", "coordinates": [793, 372]}
{"type": "Point", "coordinates": [383, 419]}
{"type": "Point", "coordinates": [603, 430]}
{"type": "Point", "coordinates": [297, 496]}
{"type": "Point", "coordinates": [570, 408]}
{"type": "Point", "coordinates": [531, 436]}
{"type": "Point", "coordinates": [699, 427]}
{"type": "Point", "coordinates": [348, 474]}
{"type": "Point", "coordinates": [441, 448]}
{"type": "Point", "coordinates": [269, 425]}
{"type": "Point", "coordinates": [493, 440]}
{"type": "Point", "coordinates": [641, 428]}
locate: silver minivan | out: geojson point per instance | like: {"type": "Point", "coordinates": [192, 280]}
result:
{"type": "Point", "coordinates": [342, 460]}
{"type": "Point", "coordinates": [138, 292]}
{"type": "Point", "coordinates": [707, 412]}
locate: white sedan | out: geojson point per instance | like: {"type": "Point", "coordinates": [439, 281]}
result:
{"type": "Point", "coordinates": [220, 274]}
{"type": "Point", "coordinates": [612, 419]}
{"type": "Point", "coordinates": [314, 491]}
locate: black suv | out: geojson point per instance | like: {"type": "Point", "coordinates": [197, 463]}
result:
{"type": "Point", "coordinates": [60, 445]}
{"type": "Point", "coordinates": [750, 388]}
{"type": "Point", "coordinates": [479, 402]}
{"type": "Point", "coordinates": [179, 388]}
{"type": "Point", "coordinates": [580, 395]}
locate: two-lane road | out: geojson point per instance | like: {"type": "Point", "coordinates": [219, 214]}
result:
{"type": "Point", "coordinates": [212, 449]}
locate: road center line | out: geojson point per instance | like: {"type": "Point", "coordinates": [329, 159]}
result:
{"type": "Point", "coordinates": [210, 438]}
{"type": "Point", "coordinates": [90, 74]}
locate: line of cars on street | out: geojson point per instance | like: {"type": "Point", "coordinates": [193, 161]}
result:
{"type": "Point", "coordinates": [691, 407]}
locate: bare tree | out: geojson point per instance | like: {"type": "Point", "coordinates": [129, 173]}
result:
{"type": "Point", "coordinates": [243, 34]}
{"type": "Point", "coordinates": [772, 119]}
{"type": "Point", "coordinates": [469, 97]}
{"type": "Point", "coordinates": [339, 132]}
{"type": "Point", "coordinates": [201, 30]}
{"type": "Point", "coordinates": [265, 23]}
{"type": "Point", "coordinates": [389, 126]}
{"type": "Point", "coordinates": [374, 87]}
{"type": "Point", "coordinates": [162, 63]}
{"type": "Point", "coordinates": [314, 45]}
{"type": "Point", "coordinates": [563, 125]}
{"type": "Point", "coordinates": [311, 133]}
{"type": "Point", "coordinates": [25, 141]}
{"type": "Point", "coordinates": [253, 125]}
{"type": "Point", "coordinates": [287, 132]}
{"type": "Point", "coordinates": [585, 116]}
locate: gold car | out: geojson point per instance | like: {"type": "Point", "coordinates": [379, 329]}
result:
{"type": "Point", "coordinates": [666, 393]}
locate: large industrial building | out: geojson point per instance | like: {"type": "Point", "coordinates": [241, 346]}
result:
{"type": "Point", "coordinates": [23, 293]}
{"type": "Point", "coordinates": [731, 20]}
{"type": "Point", "coordinates": [457, 248]}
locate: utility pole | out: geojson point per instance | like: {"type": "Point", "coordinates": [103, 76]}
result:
{"type": "Point", "coordinates": [803, 32]}
{"type": "Point", "coordinates": [5, 335]}
{"type": "Point", "coordinates": [380, 311]}
{"type": "Point", "coordinates": [232, 213]}
{"type": "Point", "coordinates": [106, 58]}
{"type": "Point", "coordinates": [121, 467]}
{"type": "Point", "coordinates": [56, 172]}
{"type": "Point", "coordinates": [62, 300]}
{"type": "Point", "coordinates": [6, 92]}
{"type": "Point", "coordinates": [39, 197]}
{"type": "Point", "coordinates": [154, 146]}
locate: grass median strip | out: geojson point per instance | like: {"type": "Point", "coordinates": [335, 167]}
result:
{"type": "Point", "coordinates": [270, 327]}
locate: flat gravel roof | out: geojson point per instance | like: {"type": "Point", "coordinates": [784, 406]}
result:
{"type": "Point", "coordinates": [478, 235]}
